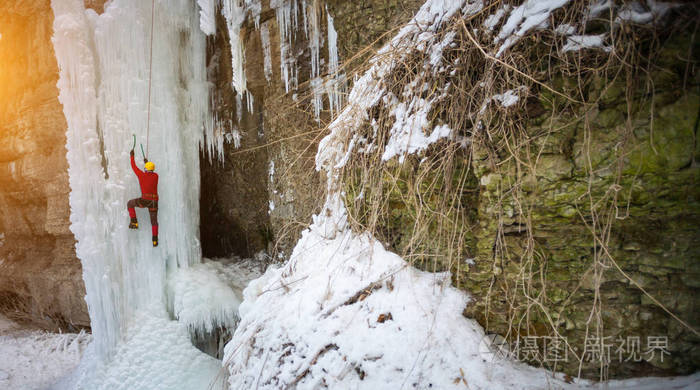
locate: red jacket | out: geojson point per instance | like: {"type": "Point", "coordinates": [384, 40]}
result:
{"type": "Point", "coordinates": [148, 181]}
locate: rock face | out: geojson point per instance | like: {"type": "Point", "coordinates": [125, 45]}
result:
{"type": "Point", "coordinates": [40, 275]}
{"type": "Point", "coordinates": [233, 203]}
{"type": "Point", "coordinates": [265, 190]}
{"type": "Point", "coordinates": [626, 174]}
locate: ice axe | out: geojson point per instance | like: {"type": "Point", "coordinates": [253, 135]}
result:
{"type": "Point", "coordinates": [134, 146]}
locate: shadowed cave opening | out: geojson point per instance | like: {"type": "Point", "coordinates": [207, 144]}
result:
{"type": "Point", "coordinates": [234, 218]}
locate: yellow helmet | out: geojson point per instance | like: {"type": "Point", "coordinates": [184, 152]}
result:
{"type": "Point", "coordinates": [150, 166]}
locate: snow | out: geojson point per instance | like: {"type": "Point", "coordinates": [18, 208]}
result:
{"type": "Point", "coordinates": [634, 12]}
{"type": "Point", "coordinates": [578, 42]}
{"type": "Point", "coordinates": [202, 298]}
{"type": "Point", "coordinates": [369, 90]}
{"type": "Point", "coordinates": [156, 353]}
{"type": "Point", "coordinates": [34, 359]}
{"type": "Point", "coordinates": [659, 9]}
{"type": "Point", "coordinates": [507, 98]}
{"type": "Point", "coordinates": [565, 29]}
{"type": "Point", "coordinates": [407, 133]}
{"type": "Point", "coordinates": [492, 20]}
{"type": "Point", "coordinates": [535, 14]}
{"type": "Point", "coordinates": [529, 15]}
{"type": "Point", "coordinates": [344, 312]}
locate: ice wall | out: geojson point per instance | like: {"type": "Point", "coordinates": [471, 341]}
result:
{"type": "Point", "coordinates": [104, 73]}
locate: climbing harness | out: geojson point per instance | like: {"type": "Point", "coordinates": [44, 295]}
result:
{"type": "Point", "coordinates": [150, 69]}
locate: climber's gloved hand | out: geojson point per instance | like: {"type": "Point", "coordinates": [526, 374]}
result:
{"type": "Point", "coordinates": [131, 153]}
{"type": "Point", "coordinates": [145, 160]}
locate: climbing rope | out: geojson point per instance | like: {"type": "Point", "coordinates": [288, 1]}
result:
{"type": "Point", "coordinates": [150, 69]}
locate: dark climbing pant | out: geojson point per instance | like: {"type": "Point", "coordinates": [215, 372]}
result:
{"type": "Point", "coordinates": [151, 205]}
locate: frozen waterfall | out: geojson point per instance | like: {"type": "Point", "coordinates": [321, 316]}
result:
{"type": "Point", "coordinates": [104, 71]}
{"type": "Point", "coordinates": [104, 75]}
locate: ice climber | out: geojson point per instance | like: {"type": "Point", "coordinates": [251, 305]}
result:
{"type": "Point", "coordinates": [148, 181]}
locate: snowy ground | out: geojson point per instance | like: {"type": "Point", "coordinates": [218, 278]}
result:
{"type": "Point", "coordinates": [156, 351]}
{"type": "Point", "coordinates": [33, 359]}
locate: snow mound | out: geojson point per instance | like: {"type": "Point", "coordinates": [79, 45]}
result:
{"type": "Point", "coordinates": [346, 313]}
{"type": "Point", "coordinates": [202, 300]}
{"type": "Point", "coordinates": [206, 296]}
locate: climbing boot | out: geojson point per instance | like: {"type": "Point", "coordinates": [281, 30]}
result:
{"type": "Point", "coordinates": [155, 241]}
{"type": "Point", "coordinates": [134, 224]}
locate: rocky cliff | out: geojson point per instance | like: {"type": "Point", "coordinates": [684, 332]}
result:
{"type": "Point", "coordinates": [263, 191]}
{"type": "Point", "coordinates": [40, 276]}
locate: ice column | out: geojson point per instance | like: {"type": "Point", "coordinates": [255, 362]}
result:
{"type": "Point", "coordinates": [336, 82]}
{"type": "Point", "coordinates": [234, 13]}
{"type": "Point", "coordinates": [103, 86]}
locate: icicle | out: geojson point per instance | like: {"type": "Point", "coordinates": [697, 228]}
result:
{"type": "Point", "coordinates": [267, 54]}
{"type": "Point", "coordinates": [336, 83]}
{"type": "Point", "coordinates": [207, 13]}
{"type": "Point", "coordinates": [317, 93]}
{"type": "Point", "coordinates": [234, 137]}
{"type": "Point", "coordinates": [239, 108]}
{"type": "Point", "coordinates": [287, 20]}
{"type": "Point", "coordinates": [235, 16]}
{"type": "Point", "coordinates": [249, 101]}
{"type": "Point", "coordinates": [332, 45]}
{"type": "Point", "coordinates": [306, 19]}
{"type": "Point", "coordinates": [314, 38]}
{"type": "Point", "coordinates": [255, 8]}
